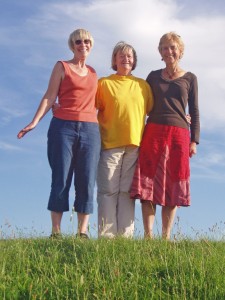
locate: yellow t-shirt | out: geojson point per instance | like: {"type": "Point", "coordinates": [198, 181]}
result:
{"type": "Point", "coordinates": [123, 103]}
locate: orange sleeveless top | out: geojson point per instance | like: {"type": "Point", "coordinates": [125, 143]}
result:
{"type": "Point", "coordinates": [76, 96]}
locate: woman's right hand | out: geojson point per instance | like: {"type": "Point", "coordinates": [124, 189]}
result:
{"type": "Point", "coordinates": [25, 130]}
{"type": "Point", "coordinates": [48, 99]}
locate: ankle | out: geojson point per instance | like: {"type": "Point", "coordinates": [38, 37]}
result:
{"type": "Point", "coordinates": [56, 230]}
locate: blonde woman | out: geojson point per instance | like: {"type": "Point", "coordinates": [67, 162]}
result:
{"type": "Point", "coordinates": [162, 176]}
{"type": "Point", "coordinates": [73, 135]}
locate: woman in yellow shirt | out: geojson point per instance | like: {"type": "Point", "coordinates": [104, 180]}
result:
{"type": "Point", "coordinates": [123, 101]}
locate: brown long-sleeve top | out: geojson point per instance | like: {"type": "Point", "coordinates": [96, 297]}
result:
{"type": "Point", "coordinates": [171, 98]}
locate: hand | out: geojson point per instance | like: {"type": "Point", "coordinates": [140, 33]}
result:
{"type": "Point", "coordinates": [25, 130]}
{"type": "Point", "coordinates": [188, 118]}
{"type": "Point", "coordinates": [55, 106]}
{"type": "Point", "coordinates": [192, 149]}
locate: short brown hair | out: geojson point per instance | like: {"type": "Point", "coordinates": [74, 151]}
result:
{"type": "Point", "coordinates": [123, 47]}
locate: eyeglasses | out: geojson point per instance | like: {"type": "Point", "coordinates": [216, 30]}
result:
{"type": "Point", "coordinates": [86, 42]}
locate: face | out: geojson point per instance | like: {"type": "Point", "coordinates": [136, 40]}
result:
{"type": "Point", "coordinates": [82, 47]}
{"type": "Point", "coordinates": [170, 52]}
{"type": "Point", "coordinates": [124, 62]}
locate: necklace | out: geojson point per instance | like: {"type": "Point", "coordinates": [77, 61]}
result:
{"type": "Point", "coordinates": [171, 75]}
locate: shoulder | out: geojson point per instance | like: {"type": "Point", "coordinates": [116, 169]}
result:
{"type": "Point", "coordinates": [106, 79]}
{"type": "Point", "coordinates": [156, 73]}
{"type": "Point", "coordinates": [91, 69]}
{"type": "Point", "coordinates": [191, 78]}
{"type": "Point", "coordinates": [61, 64]}
{"type": "Point", "coordinates": [191, 75]}
{"type": "Point", "coordinates": [141, 82]}
{"type": "Point", "coordinates": [58, 68]}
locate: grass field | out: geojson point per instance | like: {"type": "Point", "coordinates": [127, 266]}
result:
{"type": "Point", "coordinates": [69, 268]}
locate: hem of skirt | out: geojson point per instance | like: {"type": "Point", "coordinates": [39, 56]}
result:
{"type": "Point", "coordinates": [139, 197]}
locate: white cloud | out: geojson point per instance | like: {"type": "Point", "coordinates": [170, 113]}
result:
{"type": "Point", "coordinates": [210, 159]}
{"type": "Point", "coordinates": [9, 147]}
{"type": "Point", "coordinates": [34, 35]}
{"type": "Point", "coordinates": [42, 39]}
{"type": "Point", "coordinates": [10, 107]}
{"type": "Point", "coordinates": [142, 25]}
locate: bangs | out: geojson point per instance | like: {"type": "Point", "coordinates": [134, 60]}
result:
{"type": "Point", "coordinates": [79, 34]}
{"type": "Point", "coordinates": [82, 35]}
{"type": "Point", "coordinates": [126, 48]}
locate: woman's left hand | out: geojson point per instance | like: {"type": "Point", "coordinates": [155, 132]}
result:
{"type": "Point", "coordinates": [188, 118]}
{"type": "Point", "coordinates": [55, 106]}
{"type": "Point", "coordinates": [192, 149]}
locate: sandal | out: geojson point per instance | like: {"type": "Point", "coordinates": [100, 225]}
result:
{"type": "Point", "coordinates": [82, 235]}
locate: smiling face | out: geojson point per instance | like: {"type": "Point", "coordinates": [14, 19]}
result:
{"type": "Point", "coordinates": [170, 52]}
{"type": "Point", "coordinates": [80, 42]}
{"type": "Point", "coordinates": [124, 61]}
{"type": "Point", "coordinates": [171, 47]}
{"type": "Point", "coordinates": [124, 58]}
{"type": "Point", "coordinates": [82, 47]}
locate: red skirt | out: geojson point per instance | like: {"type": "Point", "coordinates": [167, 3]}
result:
{"type": "Point", "coordinates": [162, 173]}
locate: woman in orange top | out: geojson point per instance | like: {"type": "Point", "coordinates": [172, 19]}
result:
{"type": "Point", "coordinates": [73, 135]}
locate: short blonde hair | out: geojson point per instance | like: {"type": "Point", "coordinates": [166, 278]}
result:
{"type": "Point", "coordinates": [172, 36]}
{"type": "Point", "coordinates": [123, 47]}
{"type": "Point", "coordinates": [77, 35]}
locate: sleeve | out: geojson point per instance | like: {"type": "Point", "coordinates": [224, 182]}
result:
{"type": "Point", "coordinates": [98, 97]}
{"type": "Point", "coordinates": [150, 101]}
{"type": "Point", "coordinates": [194, 110]}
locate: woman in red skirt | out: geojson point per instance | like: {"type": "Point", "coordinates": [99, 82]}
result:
{"type": "Point", "coordinates": [162, 175]}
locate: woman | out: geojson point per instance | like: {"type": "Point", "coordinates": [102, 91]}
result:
{"type": "Point", "coordinates": [162, 176]}
{"type": "Point", "coordinates": [73, 135]}
{"type": "Point", "coordinates": [123, 101]}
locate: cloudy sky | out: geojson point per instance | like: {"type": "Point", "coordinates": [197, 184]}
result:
{"type": "Point", "coordinates": [33, 36]}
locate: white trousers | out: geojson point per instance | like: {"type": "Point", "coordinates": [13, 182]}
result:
{"type": "Point", "coordinates": [115, 208]}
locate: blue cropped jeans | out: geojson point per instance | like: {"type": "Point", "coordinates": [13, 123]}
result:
{"type": "Point", "coordinates": [73, 149]}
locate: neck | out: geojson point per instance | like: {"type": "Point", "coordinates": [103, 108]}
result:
{"type": "Point", "coordinates": [172, 70]}
{"type": "Point", "coordinates": [123, 73]}
{"type": "Point", "coordinates": [172, 67]}
{"type": "Point", "coordinates": [78, 62]}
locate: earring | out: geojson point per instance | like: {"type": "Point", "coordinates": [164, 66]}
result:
{"type": "Point", "coordinates": [161, 59]}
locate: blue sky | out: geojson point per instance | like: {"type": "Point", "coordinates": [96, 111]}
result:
{"type": "Point", "coordinates": [33, 36]}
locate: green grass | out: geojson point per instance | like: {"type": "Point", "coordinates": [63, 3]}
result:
{"type": "Point", "coordinates": [41, 268]}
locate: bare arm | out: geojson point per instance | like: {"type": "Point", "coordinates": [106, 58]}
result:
{"type": "Point", "coordinates": [48, 99]}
